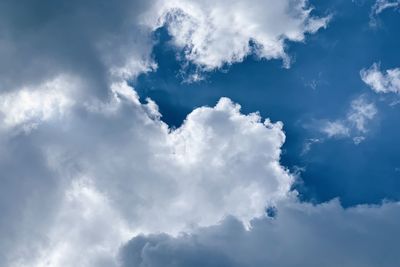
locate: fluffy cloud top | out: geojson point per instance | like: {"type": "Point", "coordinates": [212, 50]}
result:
{"type": "Point", "coordinates": [381, 82]}
{"type": "Point", "coordinates": [214, 33]}
{"type": "Point", "coordinates": [102, 41]}
{"type": "Point", "coordinates": [120, 171]}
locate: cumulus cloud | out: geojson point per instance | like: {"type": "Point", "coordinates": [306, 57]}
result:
{"type": "Point", "coordinates": [120, 171]}
{"type": "Point", "coordinates": [100, 41]}
{"type": "Point", "coordinates": [85, 165]}
{"type": "Point", "coordinates": [215, 33]}
{"type": "Point", "coordinates": [381, 81]}
{"type": "Point", "coordinates": [300, 235]}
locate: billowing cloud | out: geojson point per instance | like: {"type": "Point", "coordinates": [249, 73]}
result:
{"type": "Point", "coordinates": [86, 166]}
{"type": "Point", "coordinates": [381, 81]}
{"type": "Point", "coordinates": [300, 235]}
{"type": "Point", "coordinates": [215, 33]}
{"type": "Point", "coordinates": [120, 171]}
{"type": "Point", "coordinates": [100, 41]}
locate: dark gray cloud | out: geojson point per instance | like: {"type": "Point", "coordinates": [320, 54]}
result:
{"type": "Point", "coordinates": [42, 39]}
{"type": "Point", "coordinates": [29, 195]}
{"type": "Point", "coordinates": [301, 235]}
{"type": "Point", "coordinates": [163, 250]}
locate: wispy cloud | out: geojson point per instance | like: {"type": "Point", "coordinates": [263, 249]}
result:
{"type": "Point", "coordinates": [379, 7]}
{"type": "Point", "coordinates": [381, 81]}
{"type": "Point", "coordinates": [355, 124]}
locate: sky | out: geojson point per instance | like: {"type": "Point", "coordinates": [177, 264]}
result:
{"type": "Point", "coordinates": [190, 133]}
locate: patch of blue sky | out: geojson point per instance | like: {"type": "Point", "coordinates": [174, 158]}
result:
{"type": "Point", "coordinates": [319, 86]}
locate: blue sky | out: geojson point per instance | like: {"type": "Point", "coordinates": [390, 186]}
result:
{"type": "Point", "coordinates": [184, 133]}
{"type": "Point", "coordinates": [320, 84]}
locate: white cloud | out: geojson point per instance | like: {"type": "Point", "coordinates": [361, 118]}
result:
{"type": "Point", "coordinates": [28, 106]}
{"type": "Point", "coordinates": [115, 41]}
{"type": "Point", "coordinates": [120, 171]}
{"type": "Point", "coordinates": [335, 128]}
{"type": "Point", "coordinates": [361, 113]}
{"type": "Point", "coordinates": [215, 33]}
{"type": "Point", "coordinates": [86, 231]}
{"type": "Point", "coordinates": [355, 124]}
{"type": "Point", "coordinates": [158, 166]}
{"type": "Point", "coordinates": [382, 82]}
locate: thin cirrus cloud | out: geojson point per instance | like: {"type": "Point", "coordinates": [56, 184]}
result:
{"type": "Point", "coordinates": [379, 7]}
{"type": "Point", "coordinates": [356, 122]}
{"type": "Point", "coordinates": [86, 166]}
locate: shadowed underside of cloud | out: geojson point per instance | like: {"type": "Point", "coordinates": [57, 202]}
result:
{"type": "Point", "coordinates": [100, 41]}
{"type": "Point", "coordinates": [300, 235]}
{"type": "Point", "coordinates": [97, 41]}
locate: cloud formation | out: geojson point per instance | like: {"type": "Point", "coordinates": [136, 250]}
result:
{"type": "Point", "coordinates": [215, 33]}
{"type": "Point", "coordinates": [379, 7]}
{"type": "Point", "coordinates": [97, 41]}
{"type": "Point", "coordinates": [300, 235]}
{"type": "Point", "coordinates": [355, 124]}
{"type": "Point", "coordinates": [120, 171]}
{"type": "Point", "coordinates": [381, 81]}
{"type": "Point", "coordinates": [86, 165]}
{"type": "Point", "coordinates": [27, 107]}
